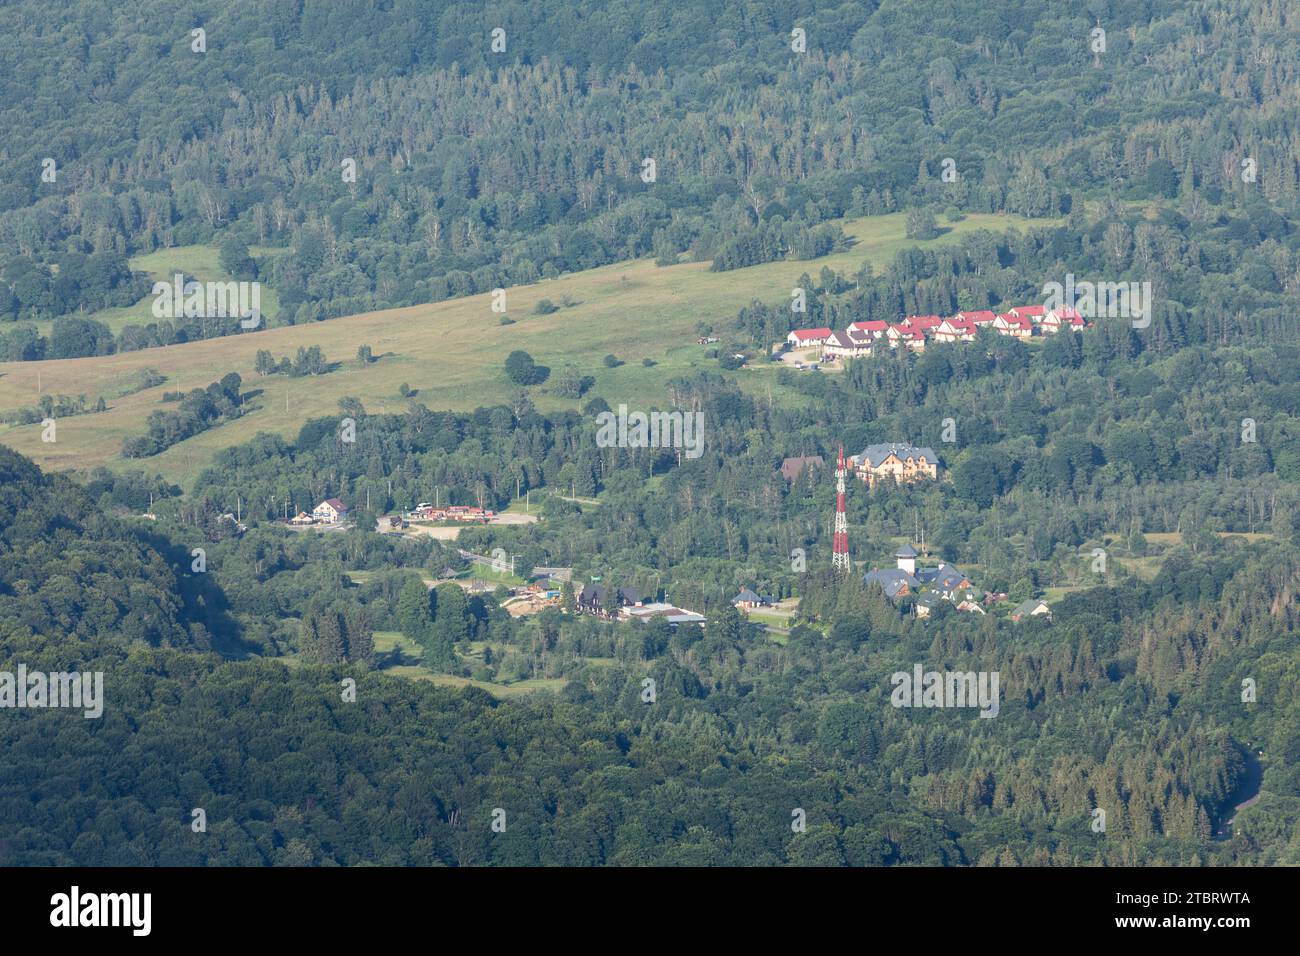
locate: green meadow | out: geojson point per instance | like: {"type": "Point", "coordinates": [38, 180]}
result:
{"type": "Point", "coordinates": [450, 353]}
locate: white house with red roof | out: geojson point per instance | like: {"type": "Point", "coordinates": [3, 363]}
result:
{"type": "Point", "coordinates": [876, 328]}
{"type": "Point", "coordinates": [1034, 313]}
{"type": "Point", "coordinates": [800, 338]}
{"type": "Point", "coordinates": [1062, 318]}
{"type": "Point", "coordinates": [903, 334]}
{"type": "Point", "coordinates": [923, 323]}
{"type": "Point", "coordinates": [1009, 324]}
{"type": "Point", "coordinates": [978, 318]}
{"type": "Point", "coordinates": [955, 330]}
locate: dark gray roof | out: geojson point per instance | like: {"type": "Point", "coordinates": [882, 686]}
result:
{"type": "Point", "coordinates": [906, 551]}
{"type": "Point", "coordinates": [1027, 607]}
{"type": "Point", "coordinates": [745, 595]}
{"type": "Point", "coordinates": [597, 593]}
{"type": "Point", "coordinates": [875, 454]}
{"type": "Point", "coordinates": [945, 576]}
{"type": "Point", "coordinates": [949, 578]}
{"type": "Point", "coordinates": [891, 580]}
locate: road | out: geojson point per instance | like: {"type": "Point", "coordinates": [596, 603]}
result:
{"type": "Point", "coordinates": [1247, 794]}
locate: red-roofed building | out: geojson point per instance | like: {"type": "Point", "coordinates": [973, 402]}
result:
{"type": "Point", "coordinates": [1009, 324]}
{"type": "Point", "coordinates": [923, 323]}
{"type": "Point", "coordinates": [955, 330]}
{"type": "Point", "coordinates": [806, 337]}
{"type": "Point", "coordinates": [905, 335]}
{"type": "Point", "coordinates": [981, 317]}
{"type": "Point", "coordinates": [1064, 317]}
{"type": "Point", "coordinates": [1034, 313]}
{"type": "Point", "coordinates": [876, 328]}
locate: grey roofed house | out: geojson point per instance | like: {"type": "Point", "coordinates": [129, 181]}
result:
{"type": "Point", "coordinates": [891, 580]}
{"type": "Point", "coordinates": [1027, 609]}
{"type": "Point", "coordinates": [791, 468]}
{"type": "Point", "coordinates": [746, 596]}
{"type": "Point", "coordinates": [874, 455]}
{"type": "Point", "coordinates": [946, 577]}
{"type": "Point", "coordinates": [906, 551]}
{"type": "Point", "coordinates": [594, 595]}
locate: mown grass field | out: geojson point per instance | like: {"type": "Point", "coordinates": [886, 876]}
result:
{"type": "Point", "coordinates": [451, 353]}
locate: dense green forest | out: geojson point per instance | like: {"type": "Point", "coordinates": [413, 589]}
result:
{"type": "Point", "coordinates": [1098, 712]}
{"type": "Point", "coordinates": [323, 696]}
{"type": "Point", "coordinates": [473, 169]}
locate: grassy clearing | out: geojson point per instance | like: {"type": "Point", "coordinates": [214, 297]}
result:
{"type": "Point", "coordinates": [194, 262]}
{"type": "Point", "coordinates": [394, 650]}
{"type": "Point", "coordinates": [482, 572]}
{"type": "Point", "coordinates": [774, 618]}
{"type": "Point", "coordinates": [399, 656]}
{"type": "Point", "coordinates": [451, 352]}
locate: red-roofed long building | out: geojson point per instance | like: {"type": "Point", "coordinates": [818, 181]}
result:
{"type": "Point", "coordinates": [806, 337]}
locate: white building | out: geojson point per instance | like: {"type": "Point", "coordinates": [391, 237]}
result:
{"type": "Point", "coordinates": [330, 511]}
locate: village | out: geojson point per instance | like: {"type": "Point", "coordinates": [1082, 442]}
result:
{"type": "Point", "coordinates": [942, 582]}
{"type": "Point", "coordinates": [902, 463]}
{"type": "Point", "coordinates": [899, 462]}
{"type": "Point", "coordinates": [333, 513]}
{"type": "Point", "coordinates": [862, 339]}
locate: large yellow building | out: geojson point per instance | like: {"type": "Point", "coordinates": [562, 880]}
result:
{"type": "Point", "coordinates": [897, 460]}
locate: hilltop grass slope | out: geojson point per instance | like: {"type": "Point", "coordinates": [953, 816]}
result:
{"type": "Point", "coordinates": [451, 353]}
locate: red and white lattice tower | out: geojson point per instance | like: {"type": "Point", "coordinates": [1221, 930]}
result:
{"type": "Point", "coordinates": [840, 557]}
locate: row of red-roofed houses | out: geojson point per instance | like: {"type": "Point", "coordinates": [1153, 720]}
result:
{"type": "Point", "coordinates": [427, 512]}
{"type": "Point", "coordinates": [861, 338]}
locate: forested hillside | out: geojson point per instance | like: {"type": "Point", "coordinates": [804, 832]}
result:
{"type": "Point", "coordinates": [476, 169]}
{"type": "Point", "coordinates": [289, 771]}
